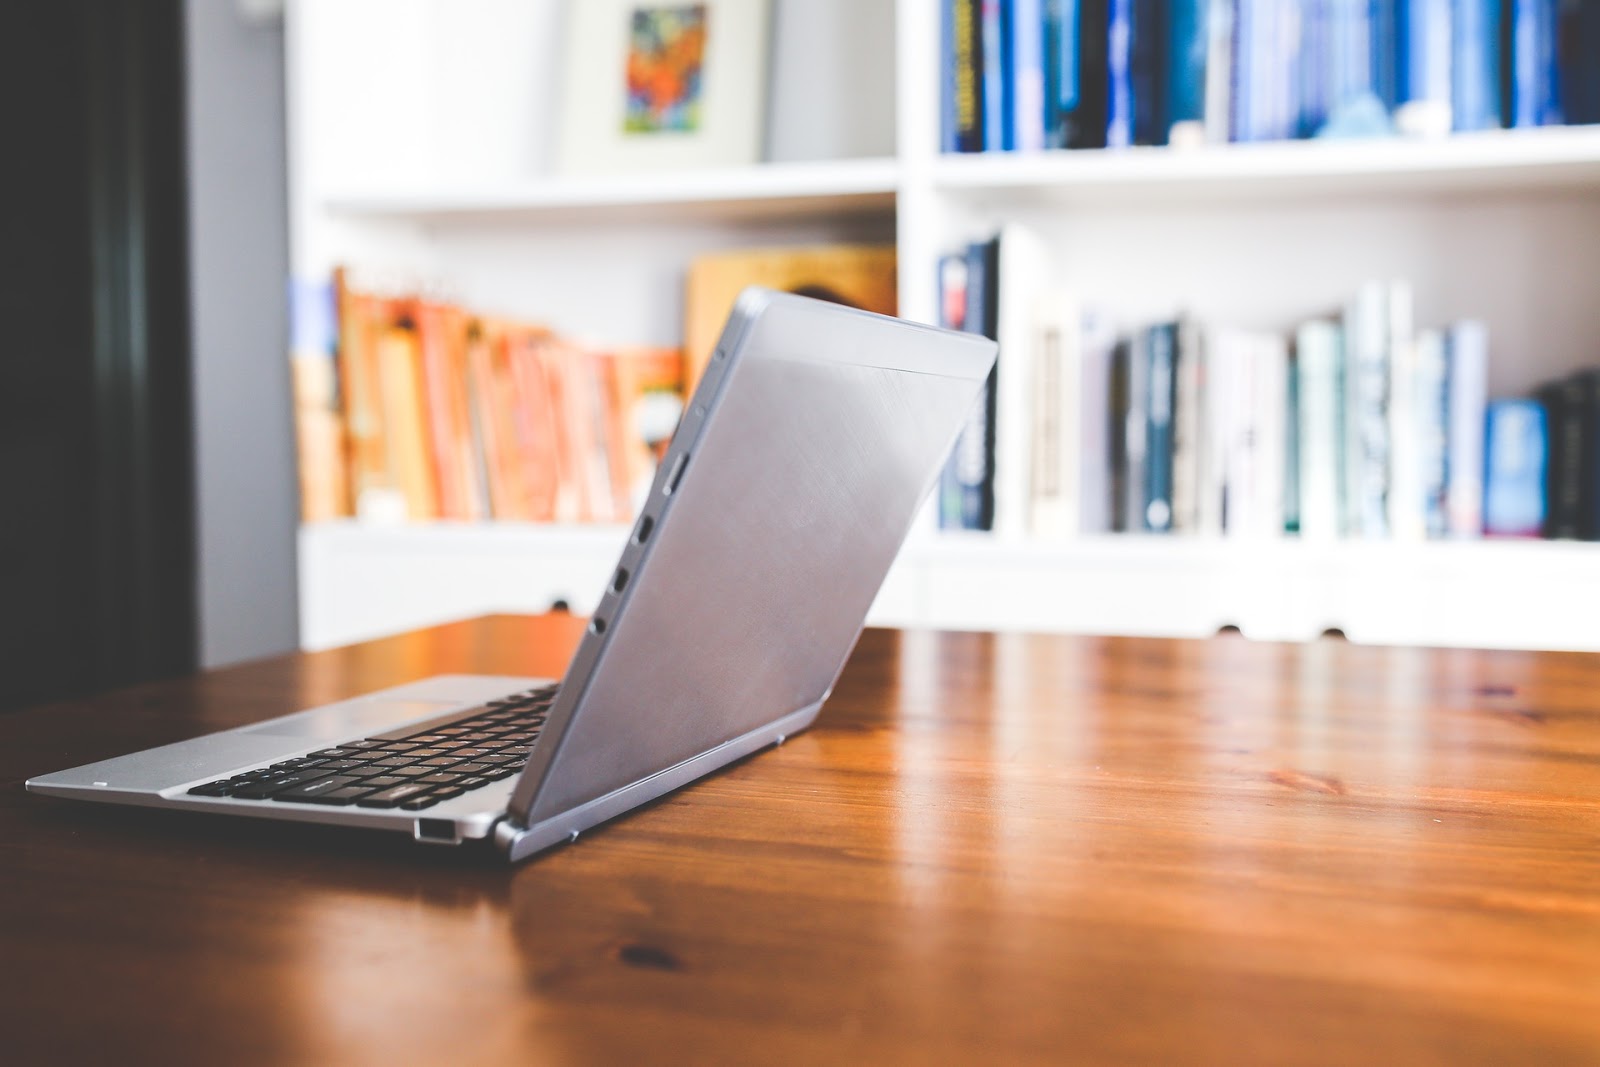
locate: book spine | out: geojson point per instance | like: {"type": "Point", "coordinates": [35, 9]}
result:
{"type": "Point", "coordinates": [1386, 61]}
{"type": "Point", "coordinates": [996, 87]}
{"type": "Point", "coordinates": [967, 37]}
{"type": "Point", "coordinates": [1216, 439]}
{"type": "Point", "coordinates": [1054, 511]}
{"type": "Point", "coordinates": [961, 483]}
{"type": "Point", "coordinates": [1403, 500]}
{"type": "Point", "coordinates": [1366, 411]}
{"type": "Point", "coordinates": [1148, 63]}
{"type": "Point", "coordinates": [1187, 426]}
{"type": "Point", "coordinates": [1514, 483]}
{"type": "Point", "coordinates": [1060, 69]}
{"type": "Point", "coordinates": [1219, 71]}
{"type": "Point", "coordinates": [1088, 120]}
{"type": "Point", "coordinates": [1097, 424]}
{"type": "Point", "coordinates": [1475, 65]}
{"type": "Point", "coordinates": [949, 85]}
{"type": "Point", "coordinates": [1425, 79]}
{"type": "Point", "coordinates": [1119, 73]}
{"type": "Point", "coordinates": [1161, 344]}
{"type": "Point", "coordinates": [1319, 419]}
{"type": "Point", "coordinates": [1117, 438]}
{"type": "Point", "coordinates": [1136, 432]}
{"type": "Point", "coordinates": [1315, 82]}
{"type": "Point", "coordinates": [1467, 353]}
{"type": "Point", "coordinates": [1533, 63]}
{"type": "Point", "coordinates": [1270, 440]}
{"type": "Point", "coordinates": [1291, 450]}
{"type": "Point", "coordinates": [1564, 404]}
{"type": "Point", "coordinates": [1188, 37]}
{"type": "Point", "coordinates": [1243, 89]}
{"type": "Point", "coordinates": [1580, 62]}
{"type": "Point", "coordinates": [1431, 402]}
{"type": "Point", "coordinates": [1028, 74]}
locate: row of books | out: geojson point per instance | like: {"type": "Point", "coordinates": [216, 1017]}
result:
{"type": "Point", "coordinates": [1544, 460]}
{"type": "Point", "coordinates": [1039, 74]}
{"type": "Point", "coordinates": [1358, 425]}
{"type": "Point", "coordinates": [412, 408]}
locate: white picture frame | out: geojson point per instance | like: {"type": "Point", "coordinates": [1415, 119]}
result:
{"type": "Point", "coordinates": [714, 122]}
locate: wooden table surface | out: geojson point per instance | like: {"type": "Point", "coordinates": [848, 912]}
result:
{"type": "Point", "coordinates": [990, 848]}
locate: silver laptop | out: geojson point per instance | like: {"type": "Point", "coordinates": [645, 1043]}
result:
{"type": "Point", "coordinates": [797, 470]}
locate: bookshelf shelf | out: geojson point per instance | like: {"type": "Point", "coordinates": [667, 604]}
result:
{"type": "Point", "coordinates": [771, 190]}
{"type": "Point", "coordinates": [1502, 160]}
{"type": "Point", "coordinates": [360, 580]}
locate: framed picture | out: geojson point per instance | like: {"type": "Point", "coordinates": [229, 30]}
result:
{"type": "Point", "coordinates": [663, 84]}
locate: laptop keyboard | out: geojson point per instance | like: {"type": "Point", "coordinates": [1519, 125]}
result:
{"type": "Point", "coordinates": [417, 771]}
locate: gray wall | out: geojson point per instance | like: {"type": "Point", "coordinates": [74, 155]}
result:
{"type": "Point", "coordinates": [247, 495]}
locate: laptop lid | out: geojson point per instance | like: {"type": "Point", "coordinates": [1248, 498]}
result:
{"type": "Point", "coordinates": [795, 475]}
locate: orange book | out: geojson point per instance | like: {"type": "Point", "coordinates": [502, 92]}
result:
{"type": "Point", "coordinates": [405, 429]}
{"type": "Point", "coordinates": [361, 318]}
{"type": "Point", "coordinates": [537, 458]}
{"type": "Point", "coordinates": [490, 422]}
{"type": "Point", "coordinates": [861, 276]}
{"type": "Point", "coordinates": [570, 408]}
{"type": "Point", "coordinates": [441, 334]}
{"type": "Point", "coordinates": [646, 389]}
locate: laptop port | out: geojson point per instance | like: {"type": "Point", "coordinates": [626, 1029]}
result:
{"type": "Point", "coordinates": [620, 582]}
{"type": "Point", "coordinates": [439, 830]}
{"type": "Point", "coordinates": [597, 626]}
{"type": "Point", "coordinates": [646, 526]}
{"type": "Point", "coordinates": [676, 474]}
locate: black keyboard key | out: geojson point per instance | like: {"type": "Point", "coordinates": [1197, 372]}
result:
{"type": "Point", "coordinates": [337, 765]}
{"type": "Point", "coordinates": [471, 783]}
{"type": "Point", "coordinates": [212, 789]}
{"type": "Point", "coordinates": [347, 795]}
{"type": "Point", "coordinates": [393, 796]}
{"type": "Point", "coordinates": [410, 772]}
{"type": "Point", "coordinates": [314, 789]}
{"type": "Point", "coordinates": [471, 768]}
{"type": "Point", "coordinates": [441, 778]}
{"type": "Point", "coordinates": [267, 787]}
{"type": "Point", "coordinates": [365, 770]}
{"type": "Point", "coordinates": [331, 753]}
{"type": "Point", "coordinates": [382, 781]}
{"type": "Point", "coordinates": [494, 774]}
{"type": "Point", "coordinates": [364, 744]}
{"type": "Point", "coordinates": [393, 761]}
{"type": "Point", "coordinates": [441, 761]}
{"type": "Point", "coordinates": [427, 800]}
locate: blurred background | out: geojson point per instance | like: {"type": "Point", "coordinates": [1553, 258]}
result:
{"type": "Point", "coordinates": [343, 317]}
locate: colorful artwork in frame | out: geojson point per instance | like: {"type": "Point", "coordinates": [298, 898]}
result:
{"type": "Point", "coordinates": [658, 85]}
{"type": "Point", "coordinates": [666, 61]}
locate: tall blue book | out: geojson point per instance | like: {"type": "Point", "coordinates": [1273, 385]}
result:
{"type": "Point", "coordinates": [1423, 71]}
{"type": "Point", "coordinates": [1148, 63]}
{"type": "Point", "coordinates": [1514, 479]}
{"type": "Point", "coordinates": [1535, 86]}
{"type": "Point", "coordinates": [1119, 75]}
{"type": "Point", "coordinates": [997, 110]}
{"type": "Point", "coordinates": [1161, 349]}
{"type": "Point", "coordinates": [1187, 40]}
{"type": "Point", "coordinates": [967, 484]}
{"type": "Point", "coordinates": [1475, 102]}
{"type": "Point", "coordinates": [1025, 27]}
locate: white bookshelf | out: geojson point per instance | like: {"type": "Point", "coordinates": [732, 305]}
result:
{"type": "Point", "coordinates": [446, 175]}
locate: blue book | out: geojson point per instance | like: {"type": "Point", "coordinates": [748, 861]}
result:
{"type": "Point", "coordinates": [1475, 65]}
{"type": "Point", "coordinates": [1086, 118]}
{"type": "Point", "coordinates": [1535, 99]}
{"type": "Point", "coordinates": [1160, 348]}
{"type": "Point", "coordinates": [967, 485]}
{"type": "Point", "coordinates": [996, 83]}
{"type": "Point", "coordinates": [1350, 55]}
{"type": "Point", "coordinates": [1026, 25]}
{"type": "Point", "coordinates": [1316, 79]}
{"type": "Point", "coordinates": [1517, 445]}
{"type": "Point", "coordinates": [1580, 62]}
{"type": "Point", "coordinates": [1387, 58]}
{"type": "Point", "coordinates": [1148, 64]}
{"type": "Point", "coordinates": [1188, 38]}
{"type": "Point", "coordinates": [949, 141]}
{"type": "Point", "coordinates": [1425, 48]}
{"type": "Point", "coordinates": [1060, 69]}
{"type": "Point", "coordinates": [1119, 75]}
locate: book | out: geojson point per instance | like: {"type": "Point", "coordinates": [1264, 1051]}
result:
{"type": "Point", "coordinates": [1219, 71]}
{"type": "Point", "coordinates": [1269, 399]}
{"type": "Point", "coordinates": [1368, 335]}
{"type": "Point", "coordinates": [1188, 38]}
{"type": "Point", "coordinates": [1468, 376]}
{"type": "Point", "coordinates": [1188, 425]}
{"type": "Point", "coordinates": [1579, 59]}
{"type": "Point", "coordinates": [1085, 116]}
{"type": "Point", "coordinates": [1431, 416]}
{"type": "Point", "coordinates": [1058, 404]}
{"type": "Point", "coordinates": [1026, 27]}
{"type": "Point", "coordinates": [967, 482]}
{"type": "Point", "coordinates": [1098, 348]}
{"type": "Point", "coordinates": [1534, 75]}
{"type": "Point", "coordinates": [398, 361]}
{"type": "Point", "coordinates": [1403, 495]}
{"type": "Point", "coordinates": [1514, 480]}
{"type": "Point", "coordinates": [1149, 69]}
{"type": "Point", "coordinates": [1020, 273]}
{"type": "Point", "coordinates": [1565, 405]}
{"type": "Point", "coordinates": [1423, 106]}
{"type": "Point", "coordinates": [442, 338]}
{"type": "Point", "coordinates": [1161, 344]}
{"type": "Point", "coordinates": [860, 276]}
{"type": "Point", "coordinates": [966, 75]}
{"type": "Point", "coordinates": [318, 419]}
{"type": "Point", "coordinates": [646, 405]}
{"type": "Point", "coordinates": [996, 51]}
{"type": "Point", "coordinates": [1475, 102]}
{"type": "Point", "coordinates": [1119, 74]}
{"type": "Point", "coordinates": [1319, 357]}
{"type": "Point", "coordinates": [1060, 70]}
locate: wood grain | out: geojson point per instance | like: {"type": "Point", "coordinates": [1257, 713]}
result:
{"type": "Point", "coordinates": [990, 848]}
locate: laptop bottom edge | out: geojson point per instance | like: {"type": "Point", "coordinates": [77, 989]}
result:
{"type": "Point", "coordinates": [519, 843]}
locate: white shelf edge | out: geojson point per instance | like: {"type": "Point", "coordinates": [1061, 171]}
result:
{"type": "Point", "coordinates": [831, 180]}
{"type": "Point", "coordinates": [1548, 153]}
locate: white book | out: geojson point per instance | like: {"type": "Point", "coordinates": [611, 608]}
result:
{"type": "Point", "coordinates": [1407, 518]}
{"type": "Point", "coordinates": [1366, 430]}
{"type": "Point", "coordinates": [1097, 350]}
{"type": "Point", "coordinates": [1217, 414]}
{"type": "Point", "coordinates": [1466, 407]}
{"type": "Point", "coordinates": [1024, 274]}
{"type": "Point", "coordinates": [1188, 428]}
{"type": "Point", "coordinates": [1219, 72]}
{"type": "Point", "coordinates": [1269, 443]}
{"type": "Point", "coordinates": [1057, 417]}
{"type": "Point", "coordinates": [1430, 401]}
{"type": "Point", "coordinates": [1318, 347]}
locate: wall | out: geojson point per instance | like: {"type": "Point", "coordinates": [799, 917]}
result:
{"type": "Point", "coordinates": [245, 474]}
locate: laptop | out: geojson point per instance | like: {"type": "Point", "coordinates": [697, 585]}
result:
{"type": "Point", "coordinates": [797, 470]}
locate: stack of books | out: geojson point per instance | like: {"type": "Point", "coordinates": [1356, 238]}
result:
{"type": "Point", "coordinates": [1357, 425]}
{"type": "Point", "coordinates": [411, 408]}
{"type": "Point", "coordinates": [1038, 74]}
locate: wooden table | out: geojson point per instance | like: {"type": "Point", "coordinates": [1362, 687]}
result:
{"type": "Point", "coordinates": [1009, 848]}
